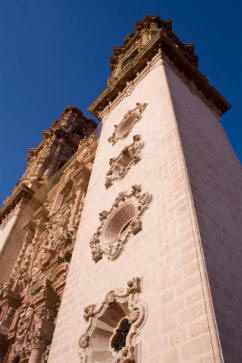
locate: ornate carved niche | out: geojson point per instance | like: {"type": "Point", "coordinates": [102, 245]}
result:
{"type": "Point", "coordinates": [125, 126]}
{"type": "Point", "coordinates": [33, 324]}
{"type": "Point", "coordinates": [63, 196]}
{"type": "Point", "coordinates": [119, 223]}
{"type": "Point", "coordinates": [129, 156]}
{"type": "Point", "coordinates": [113, 326]}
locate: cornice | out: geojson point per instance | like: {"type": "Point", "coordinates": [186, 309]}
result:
{"type": "Point", "coordinates": [21, 192]}
{"type": "Point", "coordinates": [165, 41]}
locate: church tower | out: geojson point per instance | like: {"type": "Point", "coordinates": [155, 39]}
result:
{"type": "Point", "coordinates": [126, 248]}
{"type": "Point", "coordinates": [38, 226]}
{"type": "Point", "coordinates": [155, 275]}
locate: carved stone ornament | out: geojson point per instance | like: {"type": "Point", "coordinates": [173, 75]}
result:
{"type": "Point", "coordinates": [30, 298]}
{"type": "Point", "coordinates": [118, 318]}
{"type": "Point", "coordinates": [154, 36]}
{"type": "Point", "coordinates": [125, 126]}
{"type": "Point", "coordinates": [119, 223]}
{"type": "Point", "coordinates": [129, 156]}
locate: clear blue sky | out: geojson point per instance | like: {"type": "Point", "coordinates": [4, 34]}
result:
{"type": "Point", "coordinates": [55, 53]}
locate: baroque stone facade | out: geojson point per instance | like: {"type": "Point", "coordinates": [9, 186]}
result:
{"type": "Point", "coordinates": [149, 197]}
{"type": "Point", "coordinates": [51, 207]}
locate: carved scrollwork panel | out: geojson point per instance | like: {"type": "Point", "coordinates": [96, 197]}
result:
{"type": "Point", "coordinates": [119, 223]}
{"type": "Point", "coordinates": [112, 326]}
{"type": "Point", "coordinates": [125, 126]}
{"type": "Point", "coordinates": [129, 156]}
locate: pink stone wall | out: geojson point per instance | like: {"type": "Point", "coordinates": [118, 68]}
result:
{"type": "Point", "coordinates": [165, 254]}
{"type": "Point", "coordinates": [216, 182]}
{"type": "Point", "coordinates": [11, 237]}
{"type": "Point", "coordinates": [5, 231]}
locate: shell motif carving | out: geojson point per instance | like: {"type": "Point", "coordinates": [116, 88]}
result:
{"type": "Point", "coordinates": [124, 217]}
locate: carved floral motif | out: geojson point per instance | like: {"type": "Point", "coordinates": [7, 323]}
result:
{"type": "Point", "coordinates": [112, 250]}
{"type": "Point", "coordinates": [129, 156]}
{"type": "Point", "coordinates": [125, 126]}
{"type": "Point", "coordinates": [29, 300]}
{"type": "Point", "coordinates": [59, 143]}
{"type": "Point", "coordinates": [129, 298]}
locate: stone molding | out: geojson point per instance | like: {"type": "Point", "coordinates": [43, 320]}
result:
{"type": "Point", "coordinates": [59, 144]}
{"type": "Point", "coordinates": [32, 326]}
{"type": "Point", "coordinates": [123, 129]}
{"type": "Point", "coordinates": [20, 195]}
{"type": "Point", "coordinates": [130, 85]}
{"type": "Point", "coordinates": [136, 315]}
{"type": "Point", "coordinates": [133, 151]}
{"type": "Point", "coordinates": [151, 36]}
{"type": "Point", "coordinates": [112, 250]}
{"type": "Point", "coordinates": [29, 299]}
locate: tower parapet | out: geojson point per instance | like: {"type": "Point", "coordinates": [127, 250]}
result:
{"type": "Point", "coordinates": [153, 35]}
{"type": "Point", "coordinates": [59, 143]}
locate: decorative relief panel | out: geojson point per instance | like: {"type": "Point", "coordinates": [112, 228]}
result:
{"type": "Point", "coordinates": [129, 156]}
{"type": "Point", "coordinates": [110, 336]}
{"type": "Point", "coordinates": [119, 223]}
{"type": "Point", "coordinates": [30, 298]}
{"type": "Point", "coordinates": [125, 126]}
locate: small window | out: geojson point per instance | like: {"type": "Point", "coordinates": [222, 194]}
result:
{"type": "Point", "coordinates": [113, 326]}
{"type": "Point", "coordinates": [119, 223]}
{"type": "Point", "coordinates": [118, 340]}
{"type": "Point", "coordinates": [63, 197]}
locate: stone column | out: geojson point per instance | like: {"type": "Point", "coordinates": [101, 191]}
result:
{"type": "Point", "coordinates": [75, 206]}
{"type": "Point", "coordinates": [50, 170]}
{"type": "Point", "coordinates": [37, 352]}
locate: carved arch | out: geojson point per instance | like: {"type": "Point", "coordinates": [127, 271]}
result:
{"type": "Point", "coordinates": [63, 196]}
{"type": "Point", "coordinates": [119, 223]}
{"type": "Point", "coordinates": [105, 322]}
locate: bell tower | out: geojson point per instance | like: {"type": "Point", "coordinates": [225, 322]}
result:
{"type": "Point", "coordinates": [155, 272]}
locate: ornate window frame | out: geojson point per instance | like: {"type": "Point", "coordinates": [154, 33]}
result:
{"type": "Point", "coordinates": [128, 157]}
{"type": "Point", "coordinates": [125, 126]}
{"type": "Point", "coordinates": [134, 311]}
{"type": "Point", "coordinates": [61, 195]}
{"type": "Point", "coordinates": [138, 202]}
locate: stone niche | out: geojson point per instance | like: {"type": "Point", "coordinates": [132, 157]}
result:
{"type": "Point", "coordinates": [129, 156]}
{"type": "Point", "coordinates": [112, 327]}
{"type": "Point", "coordinates": [119, 223]}
{"type": "Point", "coordinates": [123, 129]}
